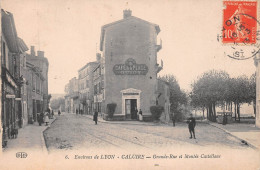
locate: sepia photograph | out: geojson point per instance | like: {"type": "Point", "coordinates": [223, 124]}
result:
{"type": "Point", "coordinates": [138, 84]}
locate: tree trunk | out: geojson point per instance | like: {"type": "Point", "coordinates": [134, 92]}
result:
{"type": "Point", "coordinates": [208, 113]}
{"type": "Point", "coordinates": [214, 112]}
{"type": "Point", "coordinates": [235, 111]}
{"type": "Point", "coordinates": [203, 111]}
{"type": "Point", "coordinates": [238, 112]}
{"type": "Point", "coordinates": [231, 109]}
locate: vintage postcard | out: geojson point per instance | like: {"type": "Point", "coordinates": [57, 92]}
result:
{"type": "Point", "coordinates": [138, 84]}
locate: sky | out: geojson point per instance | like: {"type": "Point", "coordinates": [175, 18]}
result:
{"type": "Point", "coordinates": [68, 31]}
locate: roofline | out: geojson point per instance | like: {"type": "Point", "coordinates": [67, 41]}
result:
{"type": "Point", "coordinates": [157, 28]}
{"type": "Point", "coordinates": [89, 63]}
{"type": "Point", "coordinates": [94, 69]}
{"type": "Point", "coordinates": [14, 31]}
{"type": "Point", "coordinates": [22, 44]}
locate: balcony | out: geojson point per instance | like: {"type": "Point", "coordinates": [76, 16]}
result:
{"type": "Point", "coordinates": [159, 47]}
{"type": "Point", "coordinates": [158, 67]}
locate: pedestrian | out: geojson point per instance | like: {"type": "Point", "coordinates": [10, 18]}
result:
{"type": "Point", "coordinates": [52, 114]}
{"type": "Point", "coordinates": [140, 115]}
{"type": "Point", "coordinates": [59, 112]}
{"type": "Point", "coordinates": [76, 111]}
{"type": "Point", "coordinates": [136, 112]}
{"type": "Point", "coordinates": [191, 124]}
{"type": "Point", "coordinates": [46, 118]}
{"type": "Point", "coordinates": [95, 117]}
{"type": "Point", "coordinates": [173, 119]}
{"type": "Point", "coordinates": [39, 119]}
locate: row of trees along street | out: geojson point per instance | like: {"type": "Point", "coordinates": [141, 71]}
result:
{"type": "Point", "coordinates": [217, 88]}
{"type": "Point", "coordinates": [213, 88]}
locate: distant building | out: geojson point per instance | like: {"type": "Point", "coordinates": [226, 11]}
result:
{"type": "Point", "coordinates": [41, 62]}
{"type": "Point", "coordinates": [67, 99]}
{"type": "Point", "coordinates": [72, 103]}
{"type": "Point", "coordinates": [85, 80]}
{"type": "Point", "coordinates": [163, 99]}
{"type": "Point", "coordinates": [34, 81]}
{"type": "Point", "coordinates": [98, 83]}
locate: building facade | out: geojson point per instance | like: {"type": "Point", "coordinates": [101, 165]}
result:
{"type": "Point", "coordinates": [98, 82]}
{"type": "Point", "coordinates": [10, 74]}
{"type": "Point", "coordinates": [125, 73]}
{"type": "Point", "coordinates": [85, 83]}
{"type": "Point", "coordinates": [163, 99]}
{"type": "Point", "coordinates": [129, 47]}
{"type": "Point", "coordinates": [72, 102]}
{"type": "Point", "coordinates": [41, 62]}
{"type": "Point", "coordinates": [13, 54]}
{"type": "Point", "coordinates": [34, 83]}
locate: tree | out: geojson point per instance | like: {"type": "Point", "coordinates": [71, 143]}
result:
{"type": "Point", "coordinates": [239, 93]}
{"type": "Point", "coordinates": [177, 96]}
{"type": "Point", "coordinates": [210, 88]}
{"type": "Point", "coordinates": [216, 87]}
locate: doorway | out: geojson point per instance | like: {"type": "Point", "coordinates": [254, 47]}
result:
{"type": "Point", "coordinates": [131, 108]}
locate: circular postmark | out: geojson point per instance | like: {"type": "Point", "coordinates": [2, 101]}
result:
{"type": "Point", "coordinates": [239, 32]}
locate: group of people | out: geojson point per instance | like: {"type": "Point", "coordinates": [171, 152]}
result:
{"type": "Point", "coordinates": [46, 116]}
{"type": "Point", "coordinates": [79, 111]}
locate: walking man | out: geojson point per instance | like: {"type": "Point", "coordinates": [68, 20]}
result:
{"type": "Point", "coordinates": [173, 119]}
{"type": "Point", "coordinates": [191, 124]}
{"type": "Point", "coordinates": [95, 117]}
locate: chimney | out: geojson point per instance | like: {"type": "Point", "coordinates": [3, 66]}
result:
{"type": "Point", "coordinates": [40, 53]}
{"type": "Point", "coordinates": [127, 13]}
{"type": "Point", "coordinates": [98, 57]}
{"type": "Point", "coordinates": [32, 51]}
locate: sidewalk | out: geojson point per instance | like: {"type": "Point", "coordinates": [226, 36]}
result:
{"type": "Point", "coordinates": [30, 138]}
{"type": "Point", "coordinates": [244, 132]}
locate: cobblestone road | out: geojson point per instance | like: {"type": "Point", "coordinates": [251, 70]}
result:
{"type": "Point", "coordinates": [74, 132]}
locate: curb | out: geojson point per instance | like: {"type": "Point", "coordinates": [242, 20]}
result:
{"type": "Point", "coordinates": [44, 146]}
{"type": "Point", "coordinates": [238, 138]}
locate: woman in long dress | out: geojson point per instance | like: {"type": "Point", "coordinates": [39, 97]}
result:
{"type": "Point", "coordinates": [46, 118]}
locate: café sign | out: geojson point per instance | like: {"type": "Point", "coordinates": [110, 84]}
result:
{"type": "Point", "coordinates": [130, 68]}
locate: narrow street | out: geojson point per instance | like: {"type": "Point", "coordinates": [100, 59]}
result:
{"type": "Point", "coordinates": [76, 132]}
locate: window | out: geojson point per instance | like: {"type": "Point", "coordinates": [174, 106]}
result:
{"type": "Point", "coordinates": [95, 89]}
{"type": "Point", "coordinates": [99, 89]}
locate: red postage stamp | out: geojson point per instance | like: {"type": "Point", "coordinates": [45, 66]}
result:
{"type": "Point", "coordinates": [239, 22]}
